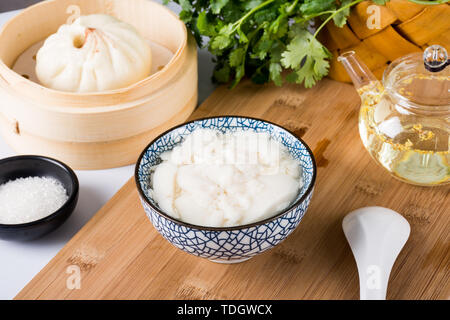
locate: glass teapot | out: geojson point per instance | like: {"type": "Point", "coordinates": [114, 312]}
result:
{"type": "Point", "coordinates": [404, 121]}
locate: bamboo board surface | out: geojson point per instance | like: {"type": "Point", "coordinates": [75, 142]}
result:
{"type": "Point", "coordinates": [121, 255]}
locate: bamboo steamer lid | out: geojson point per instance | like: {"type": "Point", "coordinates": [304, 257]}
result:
{"type": "Point", "coordinates": [404, 27]}
{"type": "Point", "coordinates": [101, 129]}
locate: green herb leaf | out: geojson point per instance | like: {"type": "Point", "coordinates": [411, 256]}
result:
{"type": "Point", "coordinates": [307, 56]}
{"type": "Point", "coordinates": [249, 5]}
{"type": "Point", "coordinates": [186, 5]}
{"type": "Point", "coordinates": [222, 74]}
{"type": "Point", "coordinates": [186, 16]}
{"type": "Point", "coordinates": [296, 49]}
{"type": "Point", "coordinates": [242, 37]}
{"type": "Point", "coordinates": [340, 19]}
{"type": "Point", "coordinates": [237, 57]}
{"type": "Point", "coordinates": [313, 6]}
{"type": "Point", "coordinates": [217, 5]}
{"type": "Point", "coordinates": [224, 38]}
{"type": "Point", "coordinates": [267, 40]}
{"type": "Point", "coordinates": [275, 73]}
{"type": "Point", "coordinates": [292, 77]}
{"type": "Point", "coordinates": [220, 42]}
{"type": "Point", "coordinates": [240, 72]}
{"type": "Point", "coordinates": [262, 47]}
{"type": "Point", "coordinates": [204, 27]}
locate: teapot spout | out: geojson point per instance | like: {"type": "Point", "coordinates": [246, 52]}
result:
{"type": "Point", "coordinates": [359, 73]}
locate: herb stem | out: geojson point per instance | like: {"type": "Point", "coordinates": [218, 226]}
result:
{"type": "Point", "coordinates": [238, 23]}
{"type": "Point", "coordinates": [312, 16]}
{"type": "Point", "coordinates": [292, 6]}
{"type": "Point", "coordinates": [335, 12]}
{"type": "Point", "coordinates": [425, 2]}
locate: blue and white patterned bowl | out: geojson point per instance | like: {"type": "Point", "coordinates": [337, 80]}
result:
{"type": "Point", "coordinates": [226, 244]}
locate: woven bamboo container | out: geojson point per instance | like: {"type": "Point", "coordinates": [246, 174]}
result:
{"type": "Point", "coordinates": [102, 129]}
{"type": "Point", "coordinates": [404, 27]}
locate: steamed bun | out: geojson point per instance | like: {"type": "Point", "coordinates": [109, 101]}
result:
{"type": "Point", "coordinates": [95, 53]}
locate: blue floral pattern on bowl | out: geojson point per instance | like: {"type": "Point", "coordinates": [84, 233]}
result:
{"type": "Point", "coordinates": [226, 244]}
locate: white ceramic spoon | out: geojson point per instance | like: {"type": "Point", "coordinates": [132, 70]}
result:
{"type": "Point", "coordinates": [376, 236]}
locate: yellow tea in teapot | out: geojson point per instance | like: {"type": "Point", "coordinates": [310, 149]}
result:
{"type": "Point", "coordinates": [404, 121]}
{"type": "Point", "coordinates": [413, 147]}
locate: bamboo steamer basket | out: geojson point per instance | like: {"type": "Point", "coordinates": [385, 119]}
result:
{"type": "Point", "coordinates": [405, 27]}
{"type": "Point", "coordinates": [103, 129]}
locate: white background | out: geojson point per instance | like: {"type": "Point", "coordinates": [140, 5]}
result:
{"type": "Point", "coordinates": [21, 261]}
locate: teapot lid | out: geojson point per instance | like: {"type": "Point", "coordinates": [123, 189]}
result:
{"type": "Point", "coordinates": [421, 79]}
{"type": "Point", "coordinates": [435, 58]}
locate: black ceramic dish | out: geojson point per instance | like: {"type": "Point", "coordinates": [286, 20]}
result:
{"type": "Point", "coordinates": [26, 166]}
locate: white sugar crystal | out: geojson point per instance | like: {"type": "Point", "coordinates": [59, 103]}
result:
{"type": "Point", "coordinates": [30, 199]}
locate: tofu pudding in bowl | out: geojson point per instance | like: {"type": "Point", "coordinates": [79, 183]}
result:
{"type": "Point", "coordinates": [226, 188]}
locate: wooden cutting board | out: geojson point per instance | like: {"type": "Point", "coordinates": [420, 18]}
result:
{"type": "Point", "coordinates": [121, 255]}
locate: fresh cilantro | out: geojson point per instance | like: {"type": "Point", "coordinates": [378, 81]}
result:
{"type": "Point", "coordinates": [306, 56]}
{"type": "Point", "coordinates": [267, 40]}
{"type": "Point", "coordinates": [237, 57]}
{"type": "Point", "coordinates": [313, 6]}
{"type": "Point", "coordinates": [340, 19]}
{"type": "Point", "coordinates": [204, 26]}
{"type": "Point", "coordinates": [275, 70]}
